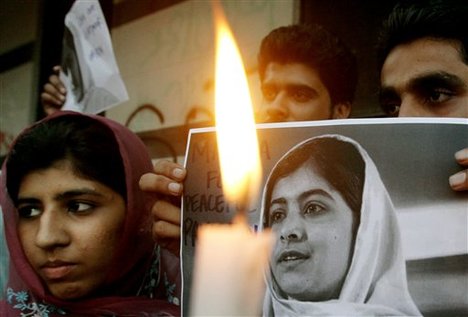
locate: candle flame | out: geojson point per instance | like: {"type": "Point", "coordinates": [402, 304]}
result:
{"type": "Point", "coordinates": [235, 124]}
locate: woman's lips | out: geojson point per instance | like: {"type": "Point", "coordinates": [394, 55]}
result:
{"type": "Point", "coordinates": [292, 255]}
{"type": "Point", "coordinates": [56, 270]}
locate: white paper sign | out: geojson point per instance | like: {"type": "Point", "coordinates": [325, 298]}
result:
{"type": "Point", "coordinates": [89, 70]}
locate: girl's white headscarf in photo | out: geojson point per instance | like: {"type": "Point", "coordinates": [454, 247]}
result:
{"type": "Point", "coordinates": [376, 283]}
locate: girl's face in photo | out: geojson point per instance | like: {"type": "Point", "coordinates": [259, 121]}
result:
{"type": "Point", "coordinates": [69, 227]}
{"type": "Point", "coordinates": [313, 225]}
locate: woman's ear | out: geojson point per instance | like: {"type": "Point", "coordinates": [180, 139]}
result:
{"type": "Point", "coordinates": [341, 110]}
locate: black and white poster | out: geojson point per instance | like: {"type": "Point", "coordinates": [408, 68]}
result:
{"type": "Point", "coordinates": [405, 167]}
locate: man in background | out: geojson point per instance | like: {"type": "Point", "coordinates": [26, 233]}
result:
{"type": "Point", "coordinates": [423, 56]}
{"type": "Point", "coordinates": [306, 73]}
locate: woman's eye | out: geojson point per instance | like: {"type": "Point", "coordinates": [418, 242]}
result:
{"type": "Point", "coordinates": [28, 211]}
{"type": "Point", "coordinates": [79, 207]}
{"type": "Point", "coordinates": [312, 209]}
{"type": "Point", "coordinates": [277, 216]}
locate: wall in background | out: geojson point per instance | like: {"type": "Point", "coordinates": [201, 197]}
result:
{"type": "Point", "coordinates": [357, 23]}
{"type": "Point", "coordinates": [18, 34]}
{"type": "Point", "coordinates": [167, 58]}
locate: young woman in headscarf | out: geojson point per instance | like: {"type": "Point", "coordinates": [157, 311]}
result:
{"type": "Point", "coordinates": [337, 250]}
{"type": "Point", "coordinates": [78, 227]}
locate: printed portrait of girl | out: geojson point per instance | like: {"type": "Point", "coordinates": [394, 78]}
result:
{"type": "Point", "coordinates": [337, 249]}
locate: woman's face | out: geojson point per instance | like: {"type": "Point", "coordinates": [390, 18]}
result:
{"type": "Point", "coordinates": [69, 228]}
{"type": "Point", "coordinates": [313, 226]}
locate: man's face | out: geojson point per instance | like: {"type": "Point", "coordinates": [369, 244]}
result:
{"type": "Point", "coordinates": [425, 78]}
{"type": "Point", "coordinates": [293, 92]}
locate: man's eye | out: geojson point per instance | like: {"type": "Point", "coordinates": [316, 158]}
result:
{"type": "Point", "coordinates": [391, 109]}
{"type": "Point", "coordinates": [313, 209]}
{"type": "Point", "coordinates": [28, 211]}
{"type": "Point", "coordinates": [277, 216]}
{"type": "Point", "coordinates": [269, 94]}
{"type": "Point", "coordinates": [439, 95]}
{"type": "Point", "coordinates": [390, 103]}
{"type": "Point", "coordinates": [301, 95]}
{"type": "Point", "coordinates": [79, 207]}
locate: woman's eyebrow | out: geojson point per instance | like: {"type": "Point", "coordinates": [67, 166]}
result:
{"type": "Point", "coordinates": [315, 191]}
{"type": "Point", "coordinates": [26, 200]}
{"type": "Point", "coordinates": [60, 196]}
{"type": "Point", "coordinates": [280, 200]}
{"type": "Point", "coordinates": [304, 195]}
{"type": "Point", "coordinates": [77, 192]}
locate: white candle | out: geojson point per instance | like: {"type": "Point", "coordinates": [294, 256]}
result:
{"type": "Point", "coordinates": [229, 265]}
{"type": "Point", "coordinates": [230, 260]}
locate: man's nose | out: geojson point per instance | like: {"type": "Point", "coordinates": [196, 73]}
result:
{"type": "Point", "coordinates": [409, 108]}
{"type": "Point", "coordinates": [277, 110]}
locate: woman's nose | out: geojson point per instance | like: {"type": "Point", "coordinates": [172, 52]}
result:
{"type": "Point", "coordinates": [292, 229]}
{"type": "Point", "coordinates": [51, 230]}
{"type": "Point", "coordinates": [290, 237]}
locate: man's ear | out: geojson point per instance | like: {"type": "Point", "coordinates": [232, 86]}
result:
{"type": "Point", "coordinates": [341, 110]}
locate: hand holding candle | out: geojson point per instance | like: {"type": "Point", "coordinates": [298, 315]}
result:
{"type": "Point", "coordinates": [230, 259]}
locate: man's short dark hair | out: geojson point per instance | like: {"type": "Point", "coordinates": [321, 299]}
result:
{"type": "Point", "coordinates": [316, 48]}
{"type": "Point", "coordinates": [412, 20]}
